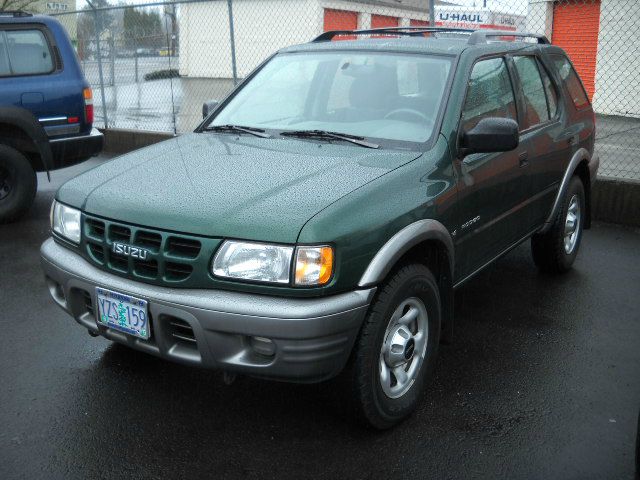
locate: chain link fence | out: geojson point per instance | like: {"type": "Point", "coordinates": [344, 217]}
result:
{"type": "Point", "coordinates": [153, 65]}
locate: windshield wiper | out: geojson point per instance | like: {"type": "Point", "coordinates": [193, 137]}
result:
{"type": "Point", "coordinates": [326, 134]}
{"type": "Point", "coordinates": [258, 132]}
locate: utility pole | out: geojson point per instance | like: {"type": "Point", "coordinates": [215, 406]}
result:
{"type": "Point", "coordinates": [432, 13]}
{"type": "Point", "coordinates": [97, 27]}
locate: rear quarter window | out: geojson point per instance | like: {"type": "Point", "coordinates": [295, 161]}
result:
{"type": "Point", "coordinates": [570, 78]}
{"type": "Point", "coordinates": [27, 52]}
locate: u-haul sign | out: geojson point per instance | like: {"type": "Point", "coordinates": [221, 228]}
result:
{"type": "Point", "coordinates": [477, 18]}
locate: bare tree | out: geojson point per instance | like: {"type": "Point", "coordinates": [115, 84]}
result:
{"type": "Point", "coordinates": [24, 5]}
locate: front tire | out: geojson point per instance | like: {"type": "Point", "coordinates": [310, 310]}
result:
{"type": "Point", "coordinates": [18, 184]}
{"type": "Point", "coordinates": [397, 347]}
{"type": "Point", "coordinates": [556, 250]}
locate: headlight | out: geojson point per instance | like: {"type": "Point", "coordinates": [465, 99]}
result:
{"type": "Point", "coordinates": [314, 265]}
{"type": "Point", "coordinates": [65, 221]}
{"type": "Point", "coordinates": [253, 261]}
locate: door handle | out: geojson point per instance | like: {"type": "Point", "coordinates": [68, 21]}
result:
{"type": "Point", "coordinates": [571, 140]}
{"type": "Point", "coordinates": [523, 159]}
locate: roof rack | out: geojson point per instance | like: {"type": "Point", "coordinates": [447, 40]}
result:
{"type": "Point", "coordinates": [405, 31]}
{"type": "Point", "coordinates": [15, 13]}
{"type": "Point", "coordinates": [482, 36]}
{"type": "Point", "coordinates": [476, 36]}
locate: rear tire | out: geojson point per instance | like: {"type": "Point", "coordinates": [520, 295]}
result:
{"type": "Point", "coordinates": [556, 250]}
{"type": "Point", "coordinates": [18, 184]}
{"type": "Point", "coordinates": [400, 334]}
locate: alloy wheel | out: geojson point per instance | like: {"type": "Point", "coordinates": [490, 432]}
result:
{"type": "Point", "coordinates": [572, 225]}
{"type": "Point", "coordinates": [404, 347]}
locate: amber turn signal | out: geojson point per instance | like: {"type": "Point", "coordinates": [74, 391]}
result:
{"type": "Point", "coordinates": [314, 265]}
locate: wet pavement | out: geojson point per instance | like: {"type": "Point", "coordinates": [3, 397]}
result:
{"type": "Point", "coordinates": [542, 382]}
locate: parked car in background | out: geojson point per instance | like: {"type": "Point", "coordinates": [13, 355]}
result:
{"type": "Point", "coordinates": [146, 52]}
{"type": "Point", "coordinates": [320, 218]}
{"type": "Point", "coordinates": [46, 108]}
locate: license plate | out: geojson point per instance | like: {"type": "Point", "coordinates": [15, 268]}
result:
{"type": "Point", "coordinates": [123, 313]}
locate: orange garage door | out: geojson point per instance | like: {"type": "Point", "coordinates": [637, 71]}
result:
{"type": "Point", "coordinates": [575, 29]}
{"type": "Point", "coordinates": [382, 21]}
{"type": "Point", "coordinates": [340, 20]}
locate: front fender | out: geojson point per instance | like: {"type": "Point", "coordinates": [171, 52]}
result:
{"type": "Point", "coordinates": [403, 241]}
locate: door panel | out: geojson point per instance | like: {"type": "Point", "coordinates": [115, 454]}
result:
{"type": "Point", "coordinates": [489, 194]}
{"type": "Point", "coordinates": [543, 136]}
{"type": "Point", "coordinates": [491, 188]}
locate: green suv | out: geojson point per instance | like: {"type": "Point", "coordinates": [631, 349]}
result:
{"type": "Point", "coordinates": [320, 218]}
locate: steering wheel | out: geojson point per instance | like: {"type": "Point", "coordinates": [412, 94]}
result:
{"type": "Point", "coordinates": [408, 112]}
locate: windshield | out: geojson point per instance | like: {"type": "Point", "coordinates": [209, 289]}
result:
{"type": "Point", "coordinates": [378, 95]}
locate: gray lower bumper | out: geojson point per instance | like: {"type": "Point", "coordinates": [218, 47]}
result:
{"type": "Point", "coordinates": [312, 337]}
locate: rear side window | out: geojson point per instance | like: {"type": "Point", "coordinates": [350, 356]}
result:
{"type": "Point", "coordinates": [536, 108]}
{"type": "Point", "coordinates": [490, 93]}
{"type": "Point", "coordinates": [28, 52]}
{"type": "Point", "coordinates": [571, 80]}
{"type": "Point", "coordinates": [550, 90]}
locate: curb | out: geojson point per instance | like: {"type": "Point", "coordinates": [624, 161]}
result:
{"type": "Point", "coordinates": [615, 200]}
{"type": "Point", "coordinates": [119, 141]}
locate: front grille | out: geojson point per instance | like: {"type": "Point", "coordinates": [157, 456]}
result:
{"type": "Point", "coordinates": [118, 233]}
{"type": "Point", "coordinates": [167, 258]}
{"type": "Point", "coordinates": [183, 247]}
{"type": "Point", "coordinates": [146, 269]}
{"type": "Point", "coordinates": [149, 240]}
{"type": "Point", "coordinates": [96, 253]}
{"type": "Point", "coordinates": [94, 229]}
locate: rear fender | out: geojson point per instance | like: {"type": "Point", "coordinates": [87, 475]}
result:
{"type": "Point", "coordinates": [28, 123]}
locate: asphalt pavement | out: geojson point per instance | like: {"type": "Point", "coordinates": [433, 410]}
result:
{"type": "Point", "coordinates": [541, 382]}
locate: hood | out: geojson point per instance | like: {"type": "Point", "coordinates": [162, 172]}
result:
{"type": "Point", "coordinates": [228, 186]}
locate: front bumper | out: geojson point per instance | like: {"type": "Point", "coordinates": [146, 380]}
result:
{"type": "Point", "coordinates": [312, 337]}
{"type": "Point", "coordinates": [68, 151]}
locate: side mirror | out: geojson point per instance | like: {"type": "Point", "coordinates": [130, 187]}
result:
{"type": "Point", "coordinates": [209, 107]}
{"type": "Point", "coordinates": [491, 134]}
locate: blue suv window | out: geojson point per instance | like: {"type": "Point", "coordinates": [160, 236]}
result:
{"type": "Point", "coordinates": [4, 57]}
{"type": "Point", "coordinates": [27, 52]}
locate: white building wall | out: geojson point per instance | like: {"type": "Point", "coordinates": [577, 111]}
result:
{"type": "Point", "coordinates": [261, 27]}
{"type": "Point", "coordinates": [540, 17]}
{"type": "Point", "coordinates": [618, 61]}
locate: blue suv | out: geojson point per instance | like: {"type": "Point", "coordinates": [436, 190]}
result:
{"type": "Point", "coordinates": [46, 108]}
